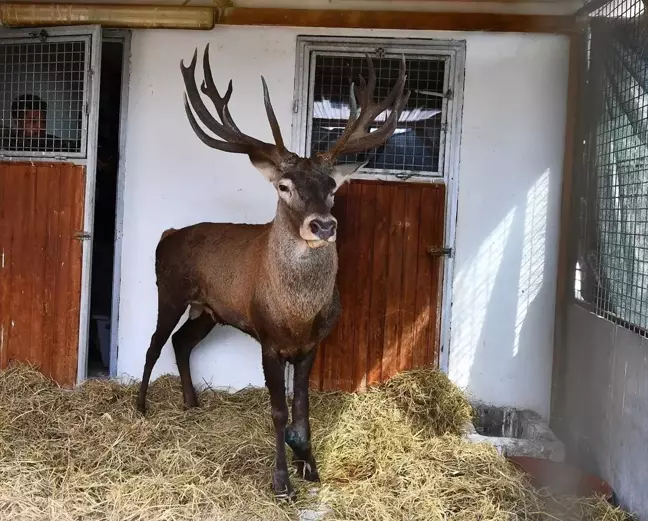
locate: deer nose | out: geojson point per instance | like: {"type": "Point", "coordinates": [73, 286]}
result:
{"type": "Point", "coordinates": [323, 229]}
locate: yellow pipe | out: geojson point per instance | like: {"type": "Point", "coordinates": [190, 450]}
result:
{"type": "Point", "coordinates": [107, 15]}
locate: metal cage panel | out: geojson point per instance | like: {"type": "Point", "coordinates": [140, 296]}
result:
{"type": "Point", "coordinates": [612, 190]}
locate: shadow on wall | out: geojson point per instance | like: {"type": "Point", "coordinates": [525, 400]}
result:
{"type": "Point", "coordinates": [501, 330]}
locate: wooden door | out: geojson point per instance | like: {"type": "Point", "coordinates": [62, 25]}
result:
{"type": "Point", "coordinates": [390, 286]}
{"type": "Point", "coordinates": [41, 210]}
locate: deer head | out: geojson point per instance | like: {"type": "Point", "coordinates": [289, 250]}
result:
{"type": "Point", "coordinates": [306, 186]}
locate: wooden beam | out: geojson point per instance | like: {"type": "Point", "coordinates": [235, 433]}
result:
{"type": "Point", "coordinates": [413, 21]}
{"type": "Point", "coordinates": [568, 226]}
{"type": "Point", "coordinates": [106, 15]}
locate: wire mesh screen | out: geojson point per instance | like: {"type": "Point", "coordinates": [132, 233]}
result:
{"type": "Point", "coordinates": [612, 269]}
{"type": "Point", "coordinates": [416, 146]}
{"type": "Point", "coordinates": [42, 94]}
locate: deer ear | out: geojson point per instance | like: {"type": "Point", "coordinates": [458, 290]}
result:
{"type": "Point", "coordinates": [341, 173]}
{"type": "Point", "coordinates": [267, 168]}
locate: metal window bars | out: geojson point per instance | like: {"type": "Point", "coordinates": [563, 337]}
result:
{"type": "Point", "coordinates": [417, 145]}
{"type": "Point", "coordinates": [43, 97]}
{"type": "Point", "coordinates": [612, 189]}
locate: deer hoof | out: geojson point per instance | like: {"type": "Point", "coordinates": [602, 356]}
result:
{"type": "Point", "coordinates": [282, 487]}
{"type": "Point", "coordinates": [141, 408]}
{"type": "Point", "coordinates": [307, 471]}
{"type": "Point", "coordinates": [191, 404]}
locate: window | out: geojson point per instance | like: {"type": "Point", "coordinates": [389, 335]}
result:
{"type": "Point", "coordinates": [612, 190]}
{"type": "Point", "coordinates": [420, 146]}
{"type": "Point", "coordinates": [43, 95]}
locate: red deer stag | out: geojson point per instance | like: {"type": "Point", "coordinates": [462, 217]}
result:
{"type": "Point", "coordinates": [276, 281]}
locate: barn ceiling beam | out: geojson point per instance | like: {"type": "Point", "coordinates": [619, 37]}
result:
{"type": "Point", "coordinates": [186, 17]}
{"type": "Point", "coordinates": [107, 15]}
{"type": "Point", "coordinates": [408, 20]}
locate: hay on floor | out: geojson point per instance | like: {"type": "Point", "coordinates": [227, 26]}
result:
{"type": "Point", "coordinates": [393, 453]}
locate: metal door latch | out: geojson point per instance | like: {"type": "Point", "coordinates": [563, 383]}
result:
{"type": "Point", "coordinates": [82, 236]}
{"type": "Point", "coordinates": [437, 251]}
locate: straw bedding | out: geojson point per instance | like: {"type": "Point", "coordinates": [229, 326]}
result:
{"type": "Point", "coordinates": [392, 453]}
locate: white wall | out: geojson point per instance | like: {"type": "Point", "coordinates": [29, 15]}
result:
{"type": "Point", "coordinates": [514, 112]}
{"type": "Point", "coordinates": [602, 403]}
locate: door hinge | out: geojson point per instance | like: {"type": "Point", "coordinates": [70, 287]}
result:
{"type": "Point", "coordinates": [436, 251]}
{"type": "Point", "coordinates": [82, 236]}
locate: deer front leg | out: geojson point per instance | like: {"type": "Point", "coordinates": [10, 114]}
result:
{"type": "Point", "coordinates": [298, 435]}
{"type": "Point", "coordinates": [273, 369]}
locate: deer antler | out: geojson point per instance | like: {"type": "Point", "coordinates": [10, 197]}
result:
{"type": "Point", "coordinates": [356, 137]}
{"type": "Point", "coordinates": [232, 139]}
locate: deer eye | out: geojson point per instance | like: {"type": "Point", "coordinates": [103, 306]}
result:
{"type": "Point", "coordinates": [284, 188]}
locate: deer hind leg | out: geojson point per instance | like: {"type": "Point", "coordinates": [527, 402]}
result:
{"type": "Point", "coordinates": [168, 315]}
{"type": "Point", "coordinates": [184, 340]}
{"type": "Point", "coordinates": [273, 369]}
{"type": "Point", "coordinates": [298, 436]}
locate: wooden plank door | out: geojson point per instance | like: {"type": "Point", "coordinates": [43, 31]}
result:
{"type": "Point", "coordinates": [41, 210]}
{"type": "Point", "coordinates": [44, 177]}
{"type": "Point", "coordinates": [390, 286]}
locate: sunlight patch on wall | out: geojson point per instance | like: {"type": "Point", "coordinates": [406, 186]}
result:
{"type": "Point", "coordinates": [533, 252]}
{"type": "Point", "coordinates": [474, 285]}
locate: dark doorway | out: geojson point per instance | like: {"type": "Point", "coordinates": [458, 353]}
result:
{"type": "Point", "coordinates": [105, 209]}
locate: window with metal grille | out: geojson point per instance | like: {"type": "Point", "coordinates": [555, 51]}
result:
{"type": "Point", "coordinates": [612, 186]}
{"type": "Point", "coordinates": [419, 146]}
{"type": "Point", "coordinates": [43, 96]}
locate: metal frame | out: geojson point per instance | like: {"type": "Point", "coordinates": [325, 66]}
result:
{"type": "Point", "coordinates": [88, 216]}
{"type": "Point", "coordinates": [123, 36]}
{"type": "Point", "coordinates": [85, 34]}
{"type": "Point", "coordinates": [309, 47]}
{"type": "Point", "coordinates": [454, 51]}
{"type": "Point", "coordinates": [91, 95]}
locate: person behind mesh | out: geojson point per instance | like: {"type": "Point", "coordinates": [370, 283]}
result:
{"type": "Point", "coordinates": [28, 132]}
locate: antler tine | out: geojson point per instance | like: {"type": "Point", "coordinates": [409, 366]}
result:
{"type": "Point", "coordinates": [355, 137]}
{"type": "Point", "coordinates": [369, 87]}
{"type": "Point", "coordinates": [196, 101]}
{"type": "Point", "coordinates": [210, 141]}
{"type": "Point", "coordinates": [233, 140]}
{"type": "Point", "coordinates": [272, 119]}
{"type": "Point", "coordinates": [367, 140]}
{"type": "Point", "coordinates": [208, 88]}
{"type": "Point", "coordinates": [220, 103]}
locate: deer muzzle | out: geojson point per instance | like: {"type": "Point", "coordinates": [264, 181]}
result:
{"type": "Point", "coordinates": [324, 230]}
{"type": "Point", "coordinates": [318, 230]}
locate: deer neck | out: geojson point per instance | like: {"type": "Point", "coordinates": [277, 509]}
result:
{"type": "Point", "coordinates": [303, 277]}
